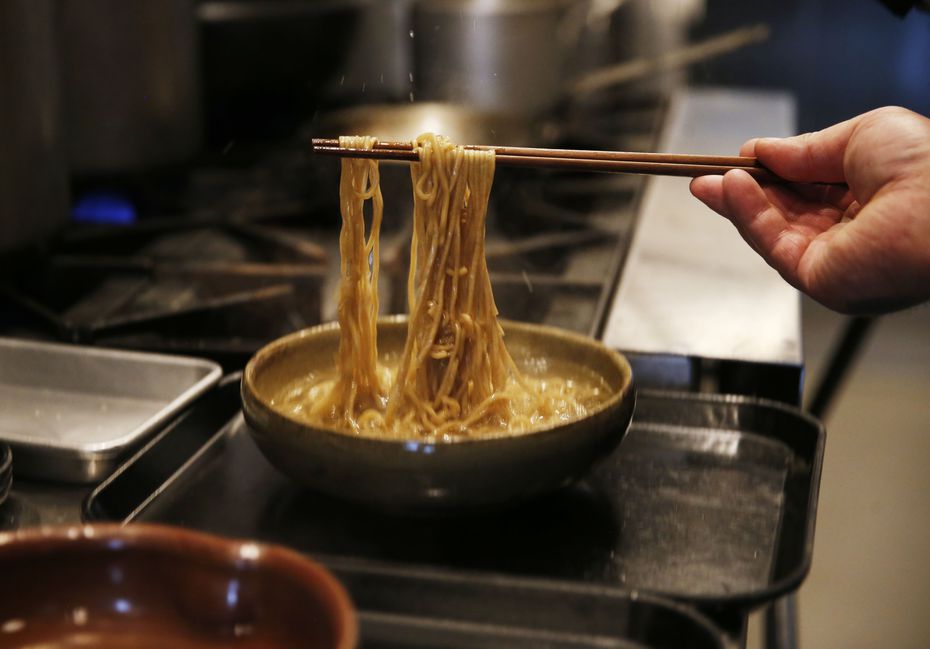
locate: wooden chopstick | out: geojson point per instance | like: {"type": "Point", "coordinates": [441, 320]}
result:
{"type": "Point", "coordinates": [625, 156]}
{"type": "Point", "coordinates": [664, 164]}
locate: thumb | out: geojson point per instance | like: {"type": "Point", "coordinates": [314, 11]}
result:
{"type": "Point", "coordinates": [811, 157]}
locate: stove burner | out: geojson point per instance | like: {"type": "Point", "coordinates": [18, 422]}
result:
{"type": "Point", "coordinates": [217, 290]}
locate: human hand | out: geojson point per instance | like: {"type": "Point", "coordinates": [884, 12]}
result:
{"type": "Point", "coordinates": [865, 250]}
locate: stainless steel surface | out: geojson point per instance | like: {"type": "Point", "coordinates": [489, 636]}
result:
{"type": "Point", "coordinates": [644, 28]}
{"type": "Point", "coordinates": [379, 56]}
{"type": "Point", "coordinates": [131, 81]}
{"type": "Point", "coordinates": [503, 55]}
{"type": "Point", "coordinates": [33, 172]}
{"type": "Point", "coordinates": [71, 412]}
{"type": "Point", "coordinates": [691, 286]}
{"type": "Point", "coordinates": [33, 503]}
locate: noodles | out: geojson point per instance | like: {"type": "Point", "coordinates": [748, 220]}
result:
{"type": "Point", "coordinates": [358, 392]}
{"type": "Point", "coordinates": [455, 376]}
{"type": "Point", "coordinates": [455, 370]}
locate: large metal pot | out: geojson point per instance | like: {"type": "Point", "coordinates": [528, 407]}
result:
{"type": "Point", "coordinates": [556, 114]}
{"type": "Point", "coordinates": [131, 83]}
{"type": "Point", "coordinates": [506, 56]}
{"type": "Point", "coordinates": [33, 172]}
{"type": "Point", "coordinates": [530, 57]}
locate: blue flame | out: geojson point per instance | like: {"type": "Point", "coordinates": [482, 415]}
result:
{"type": "Point", "coordinates": [103, 208]}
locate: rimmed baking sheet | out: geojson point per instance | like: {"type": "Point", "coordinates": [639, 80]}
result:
{"type": "Point", "coordinates": [71, 412]}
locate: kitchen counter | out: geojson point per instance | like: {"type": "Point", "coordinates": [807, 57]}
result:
{"type": "Point", "coordinates": [691, 287]}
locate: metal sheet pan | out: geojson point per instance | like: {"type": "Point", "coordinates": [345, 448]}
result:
{"type": "Point", "coordinates": [402, 608]}
{"type": "Point", "coordinates": [71, 413]}
{"type": "Point", "coordinates": [709, 499]}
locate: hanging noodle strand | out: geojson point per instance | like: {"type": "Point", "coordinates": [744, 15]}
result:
{"type": "Point", "coordinates": [455, 370]}
{"type": "Point", "coordinates": [358, 393]}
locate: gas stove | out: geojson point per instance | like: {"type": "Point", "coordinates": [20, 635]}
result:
{"type": "Point", "coordinates": [241, 247]}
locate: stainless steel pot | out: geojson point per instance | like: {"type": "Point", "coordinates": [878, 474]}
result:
{"type": "Point", "coordinates": [463, 121]}
{"type": "Point", "coordinates": [507, 56]}
{"type": "Point", "coordinates": [528, 57]}
{"type": "Point", "coordinates": [33, 172]}
{"type": "Point", "coordinates": [131, 83]}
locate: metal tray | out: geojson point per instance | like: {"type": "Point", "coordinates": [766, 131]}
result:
{"type": "Point", "coordinates": [709, 499]}
{"type": "Point", "coordinates": [404, 608]}
{"type": "Point", "coordinates": [71, 413]}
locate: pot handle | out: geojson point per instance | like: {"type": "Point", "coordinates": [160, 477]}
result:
{"type": "Point", "coordinates": [616, 75]}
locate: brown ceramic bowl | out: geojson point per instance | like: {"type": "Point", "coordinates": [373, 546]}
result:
{"type": "Point", "coordinates": [146, 586]}
{"type": "Point", "coordinates": [411, 476]}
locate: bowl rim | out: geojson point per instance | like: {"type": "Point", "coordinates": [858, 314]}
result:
{"type": "Point", "coordinates": [250, 395]}
{"type": "Point", "coordinates": [234, 551]}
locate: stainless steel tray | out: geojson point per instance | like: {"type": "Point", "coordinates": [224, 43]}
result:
{"type": "Point", "coordinates": [71, 413]}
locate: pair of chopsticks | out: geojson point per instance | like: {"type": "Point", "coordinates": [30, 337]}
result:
{"type": "Point", "coordinates": [661, 164]}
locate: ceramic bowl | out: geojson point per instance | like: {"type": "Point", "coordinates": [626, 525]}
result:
{"type": "Point", "coordinates": [415, 476]}
{"type": "Point", "coordinates": [146, 586]}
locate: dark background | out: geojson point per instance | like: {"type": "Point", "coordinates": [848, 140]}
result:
{"type": "Point", "coordinates": [839, 57]}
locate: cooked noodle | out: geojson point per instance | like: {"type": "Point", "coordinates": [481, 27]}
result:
{"type": "Point", "coordinates": [455, 372]}
{"type": "Point", "coordinates": [455, 376]}
{"type": "Point", "coordinates": [358, 392]}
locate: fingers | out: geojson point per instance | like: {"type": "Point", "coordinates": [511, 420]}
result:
{"type": "Point", "coordinates": [781, 241]}
{"type": "Point", "coordinates": [761, 223]}
{"type": "Point", "coordinates": [811, 157]}
{"type": "Point", "coordinates": [862, 249]}
{"type": "Point", "coordinates": [709, 190]}
{"type": "Point", "coordinates": [838, 196]}
{"type": "Point", "coordinates": [739, 198]}
{"type": "Point", "coordinates": [792, 200]}
{"type": "Point", "coordinates": [749, 147]}
{"type": "Point", "coordinates": [852, 211]}
{"type": "Point", "coordinates": [801, 211]}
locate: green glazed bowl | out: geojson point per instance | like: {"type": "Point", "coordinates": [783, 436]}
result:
{"type": "Point", "coordinates": [420, 477]}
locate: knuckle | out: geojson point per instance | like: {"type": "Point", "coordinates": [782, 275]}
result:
{"type": "Point", "coordinates": [888, 112]}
